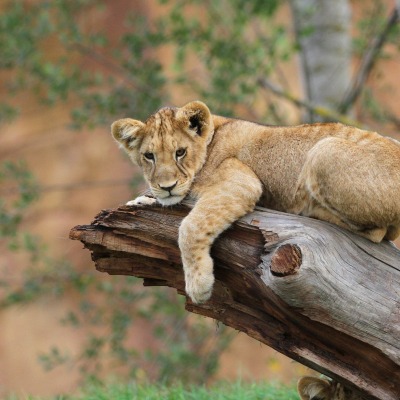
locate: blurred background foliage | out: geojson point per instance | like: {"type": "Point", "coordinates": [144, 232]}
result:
{"type": "Point", "coordinates": [219, 50]}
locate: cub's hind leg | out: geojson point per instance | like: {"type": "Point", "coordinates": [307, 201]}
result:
{"type": "Point", "coordinates": [375, 235]}
{"type": "Point", "coordinates": [311, 208]}
{"type": "Point", "coordinates": [357, 183]}
{"type": "Point", "coordinates": [309, 201]}
{"type": "Point", "coordinates": [393, 232]}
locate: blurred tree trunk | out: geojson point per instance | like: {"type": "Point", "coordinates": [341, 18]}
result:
{"type": "Point", "coordinates": [322, 29]}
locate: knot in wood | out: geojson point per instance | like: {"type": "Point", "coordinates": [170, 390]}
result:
{"type": "Point", "coordinates": [286, 260]}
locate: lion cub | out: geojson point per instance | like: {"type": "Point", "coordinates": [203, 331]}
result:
{"type": "Point", "coordinates": [311, 388]}
{"type": "Point", "coordinates": [332, 172]}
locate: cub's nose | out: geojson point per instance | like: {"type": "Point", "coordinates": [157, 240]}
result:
{"type": "Point", "coordinates": [167, 187]}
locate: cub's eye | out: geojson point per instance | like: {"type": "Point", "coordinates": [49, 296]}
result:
{"type": "Point", "coordinates": [149, 156]}
{"type": "Point", "coordinates": [180, 153]}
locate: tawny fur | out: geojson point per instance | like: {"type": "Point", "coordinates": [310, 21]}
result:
{"type": "Point", "coordinates": [332, 172]}
{"type": "Point", "coordinates": [311, 388]}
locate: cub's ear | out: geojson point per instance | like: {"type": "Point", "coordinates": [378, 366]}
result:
{"type": "Point", "coordinates": [310, 388]}
{"type": "Point", "coordinates": [128, 133]}
{"type": "Point", "coordinates": [196, 119]}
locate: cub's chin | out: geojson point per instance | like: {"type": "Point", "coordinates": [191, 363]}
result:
{"type": "Point", "coordinates": [170, 200]}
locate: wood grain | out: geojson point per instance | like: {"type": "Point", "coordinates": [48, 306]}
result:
{"type": "Point", "coordinates": [314, 292]}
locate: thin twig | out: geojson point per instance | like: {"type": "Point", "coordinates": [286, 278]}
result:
{"type": "Point", "coordinates": [322, 111]}
{"type": "Point", "coordinates": [108, 64]}
{"type": "Point", "coordinates": [368, 62]}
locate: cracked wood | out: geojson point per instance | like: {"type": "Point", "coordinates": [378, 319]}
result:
{"type": "Point", "coordinates": [314, 292]}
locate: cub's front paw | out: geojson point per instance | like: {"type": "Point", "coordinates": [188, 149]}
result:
{"type": "Point", "coordinates": [141, 201]}
{"type": "Point", "coordinates": [199, 286]}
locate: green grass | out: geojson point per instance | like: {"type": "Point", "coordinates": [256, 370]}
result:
{"type": "Point", "coordinates": [226, 391]}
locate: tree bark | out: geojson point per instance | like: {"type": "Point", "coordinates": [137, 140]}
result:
{"type": "Point", "coordinates": [314, 292]}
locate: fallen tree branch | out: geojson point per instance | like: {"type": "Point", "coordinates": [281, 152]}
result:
{"type": "Point", "coordinates": [314, 292]}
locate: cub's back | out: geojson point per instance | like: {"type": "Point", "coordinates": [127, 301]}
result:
{"type": "Point", "coordinates": [276, 154]}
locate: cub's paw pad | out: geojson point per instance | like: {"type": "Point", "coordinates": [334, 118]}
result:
{"type": "Point", "coordinates": [141, 201]}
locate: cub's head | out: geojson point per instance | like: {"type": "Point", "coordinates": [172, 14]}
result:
{"type": "Point", "coordinates": [170, 147]}
{"type": "Point", "coordinates": [311, 388]}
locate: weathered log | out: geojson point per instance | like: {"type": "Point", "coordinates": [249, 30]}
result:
{"type": "Point", "coordinates": [312, 291]}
